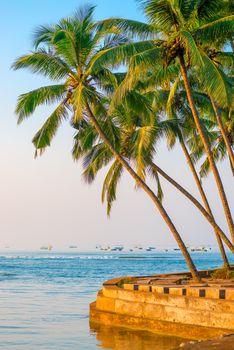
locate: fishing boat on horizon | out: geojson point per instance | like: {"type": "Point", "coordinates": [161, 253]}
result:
{"type": "Point", "coordinates": [46, 247]}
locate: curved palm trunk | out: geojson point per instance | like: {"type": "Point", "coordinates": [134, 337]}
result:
{"type": "Point", "coordinates": [223, 132]}
{"type": "Point", "coordinates": [197, 204]}
{"type": "Point", "coordinates": [205, 201]}
{"type": "Point", "coordinates": [206, 145]}
{"type": "Point", "coordinates": [232, 168]}
{"type": "Point", "coordinates": [150, 193]}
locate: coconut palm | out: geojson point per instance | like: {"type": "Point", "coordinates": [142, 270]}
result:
{"type": "Point", "coordinates": [179, 133]}
{"type": "Point", "coordinates": [74, 52]}
{"type": "Point", "coordinates": [138, 134]}
{"type": "Point", "coordinates": [174, 106]}
{"type": "Point", "coordinates": [185, 53]}
{"type": "Point", "coordinates": [222, 67]}
{"type": "Point", "coordinates": [180, 31]}
{"type": "Point", "coordinates": [221, 118]}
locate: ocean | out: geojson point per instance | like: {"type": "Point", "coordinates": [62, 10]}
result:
{"type": "Point", "coordinates": [45, 296]}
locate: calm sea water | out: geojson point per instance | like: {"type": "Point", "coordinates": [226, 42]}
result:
{"type": "Point", "coordinates": [45, 296]}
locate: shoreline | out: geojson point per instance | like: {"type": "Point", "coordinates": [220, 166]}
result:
{"type": "Point", "coordinates": [225, 342]}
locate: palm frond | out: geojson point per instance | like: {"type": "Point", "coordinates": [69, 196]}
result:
{"type": "Point", "coordinates": [222, 27]}
{"type": "Point", "coordinates": [161, 75]}
{"type": "Point", "coordinates": [215, 82]}
{"type": "Point", "coordinates": [45, 63]}
{"type": "Point", "coordinates": [110, 185]}
{"type": "Point", "coordinates": [159, 13]}
{"type": "Point", "coordinates": [112, 57]}
{"type": "Point", "coordinates": [154, 174]}
{"type": "Point", "coordinates": [44, 136]}
{"type": "Point", "coordinates": [78, 100]}
{"type": "Point", "coordinates": [187, 8]}
{"type": "Point", "coordinates": [171, 96]}
{"type": "Point", "coordinates": [191, 48]}
{"type": "Point", "coordinates": [131, 28]}
{"type": "Point", "coordinates": [84, 13]}
{"type": "Point", "coordinates": [208, 9]}
{"type": "Point", "coordinates": [225, 59]}
{"type": "Point", "coordinates": [219, 154]}
{"type": "Point", "coordinates": [84, 139]}
{"type": "Point", "coordinates": [144, 138]}
{"type": "Point", "coordinates": [27, 103]}
{"type": "Point", "coordinates": [94, 160]}
{"type": "Point", "coordinates": [43, 35]}
{"type": "Point", "coordinates": [139, 65]}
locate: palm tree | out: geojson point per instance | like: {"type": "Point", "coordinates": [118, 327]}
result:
{"type": "Point", "coordinates": [176, 105]}
{"type": "Point", "coordinates": [138, 134]}
{"type": "Point", "coordinates": [181, 30]}
{"type": "Point", "coordinates": [222, 69]}
{"type": "Point", "coordinates": [75, 51]}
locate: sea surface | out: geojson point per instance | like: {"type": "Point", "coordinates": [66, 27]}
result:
{"type": "Point", "coordinates": [45, 296]}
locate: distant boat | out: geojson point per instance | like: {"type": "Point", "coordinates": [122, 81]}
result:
{"type": "Point", "coordinates": [200, 249]}
{"type": "Point", "coordinates": [149, 249]}
{"type": "Point", "coordinates": [46, 247]}
{"type": "Point", "coordinates": [72, 246]}
{"type": "Point", "coordinates": [105, 248]}
{"type": "Point", "coordinates": [139, 247]}
{"type": "Point", "coordinates": [117, 248]}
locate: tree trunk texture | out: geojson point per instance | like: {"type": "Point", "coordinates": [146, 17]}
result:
{"type": "Point", "coordinates": [197, 204]}
{"type": "Point", "coordinates": [150, 193]}
{"type": "Point", "coordinates": [205, 201]}
{"type": "Point", "coordinates": [223, 132]}
{"type": "Point", "coordinates": [206, 145]}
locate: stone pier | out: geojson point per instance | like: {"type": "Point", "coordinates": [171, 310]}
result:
{"type": "Point", "coordinates": [167, 304]}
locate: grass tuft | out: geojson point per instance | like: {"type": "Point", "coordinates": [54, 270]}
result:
{"type": "Point", "coordinates": [124, 281]}
{"type": "Point", "coordinates": [224, 273]}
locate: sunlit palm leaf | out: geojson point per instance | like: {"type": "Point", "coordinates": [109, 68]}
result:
{"type": "Point", "coordinates": [214, 81]}
{"type": "Point", "coordinates": [110, 184]}
{"type": "Point", "coordinates": [45, 63]}
{"type": "Point", "coordinates": [27, 103]}
{"type": "Point", "coordinates": [44, 136]}
{"type": "Point", "coordinates": [223, 27]}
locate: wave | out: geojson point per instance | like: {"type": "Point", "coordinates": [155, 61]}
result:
{"type": "Point", "coordinates": [58, 257]}
{"type": "Point", "coordinates": [88, 257]}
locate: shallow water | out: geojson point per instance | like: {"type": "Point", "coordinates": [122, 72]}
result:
{"type": "Point", "coordinates": [45, 296]}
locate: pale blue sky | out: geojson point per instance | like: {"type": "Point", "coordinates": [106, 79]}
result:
{"type": "Point", "coordinates": [45, 200]}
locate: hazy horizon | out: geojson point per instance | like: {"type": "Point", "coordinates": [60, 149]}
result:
{"type": "Point", "coordinates": [45, 201]}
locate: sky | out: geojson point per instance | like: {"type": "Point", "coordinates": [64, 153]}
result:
{"type": "Point", "coordinates": [45, 201]}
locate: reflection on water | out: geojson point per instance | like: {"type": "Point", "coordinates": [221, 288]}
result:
{"type": "Point", "coordinates": [44, 298]}
{"type": "Point", "coordinates": [117, 338]}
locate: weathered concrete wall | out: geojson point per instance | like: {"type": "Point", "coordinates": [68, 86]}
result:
{"type": "Point", "coordinates": [194, 314]}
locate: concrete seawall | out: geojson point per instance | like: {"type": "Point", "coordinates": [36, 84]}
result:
{"type": "Point", "coordinates": [158, 304]}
